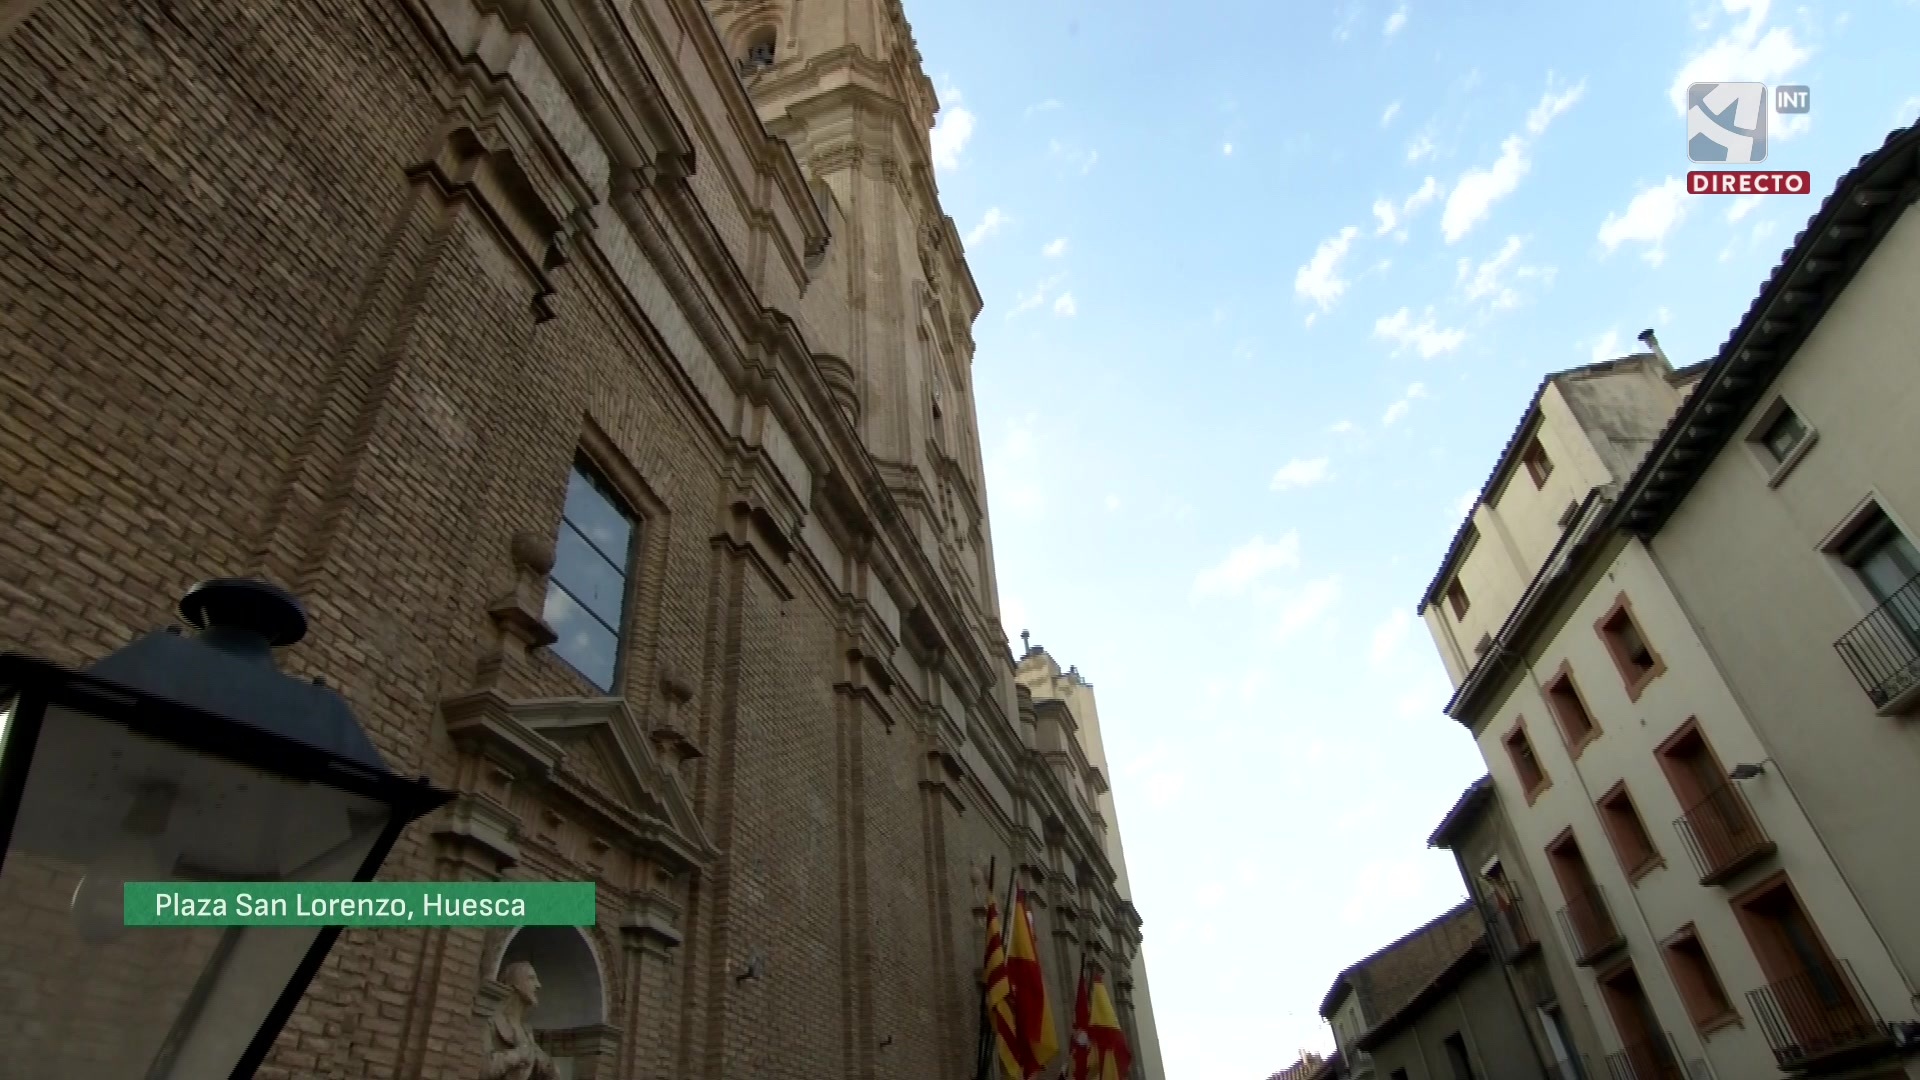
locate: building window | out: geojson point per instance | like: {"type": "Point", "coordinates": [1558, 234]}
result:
{"type": "Point", "coordinates": [1457, 1058]}
{"type": "Point", "coordinates": [1570, 711]}
{"type": "Point", "coordinates": [1457, 599]}
{"type": "Point", "coordinates": [1815, 995]}
{"type": "Point", "coordinates": [1631, 841]}
{"type": "Point", "coordinates": [1645, 1049]}
{"type": "Point", "coordinates": [1783, 435]}
{"type": "Point", "coordinates": [1700, 989]}
{"type": "Point", "coordinates": [1635, 659]}
{"type": "Point", "coordinates": [1586, 919]}
{"type": "Point", "coordinates": [1881, 555]}
{"type": "Point", "coordinates": [1539, 465]}
{"type": "Point", "coordinates": [1526, 765]}
{"type": "Point", "coordinates": [586, 592]}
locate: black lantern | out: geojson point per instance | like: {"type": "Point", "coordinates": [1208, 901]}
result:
{"type": "Point", "coordinates": [185, 758]}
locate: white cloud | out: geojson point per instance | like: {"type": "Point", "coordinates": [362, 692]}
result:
{"type": "Point", "coordinates": [1396, 21]}
{"type": "Point", "coordinates": [1423, 335]}
{"type": "Point", "coordinates": [1075, 157]}
{"type": "Point", "coordinates": [1420, 147]}
{"type": "Point", "coordinates": [1606, 346]}
{"type": "Point", "coordinates": [1113, 503]}
{"type": "Point", "coordinates": [952, 131]}
{"type": "Point", "coordinates": [1319, 280]}
{"type": "Point", "coordinates": [1388, 637]}
{"type": "Point", "coordinates": [1065, 307]}
{"type": "Point", "coordinates": [1249, 563]}
{"type": "Point", "coordinates": [1055, 248]}
{"type": "Point", "coordinates": [1478, 189]}
{"type": "Point", "coordinates": [1301, 472]}
{"type": "Point", "coordinates": [1400, 890]}
{"type": "Point", "coordinates": [1392, 216]}
{"type": "Point", "coordinates": [1907, 111]}
{"type": "Point", "coordinates": [1226, 149]}
{"type": "Point", "coordinates": [1493, 281]}
{"type": "Point", "coordinates": [1742, 206]}
{"type": "Point", "coordinates": [1751, 51]}
{"type": "Point", "coordinates": [1038, 296]}
{"type": "Point", "coordinates": [1465, 504]}
{"type": "Point", "coordinates": [1013, 618]}
{"type": "Point", "coordinates": [1393, 110]}
{"type": "Point", "coordinates": [1341, 427]}
{"type": "Point", "coordinates": [1397, 411]}
{"type": "Point", "coordinates": [1045, 106]}
{"type": "Point", "coordinates": [1553, 105]}
{"type": "Point", "coordinates": [1662, 315]}
{"type": "Point", "coordinates": [990, 223]}
{"type": "Point", "coordinates": [1303, 608]}
{"type": "Point", "coordinates": [1649, 217]}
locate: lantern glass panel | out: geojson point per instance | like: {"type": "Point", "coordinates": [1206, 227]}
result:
{"type": "Point", "coordinates": [82, 994]}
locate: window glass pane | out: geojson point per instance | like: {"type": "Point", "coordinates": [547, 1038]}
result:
{"type": "Point", "coordinates": [584, 642]}
{"type": "Point", "coordinates": [593, 581]}
{"type": "Point", "coordinates": [1784, 434]}
{"type": "Point", "coordinates": [598, 519]}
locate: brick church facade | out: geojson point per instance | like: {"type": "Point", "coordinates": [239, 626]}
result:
{"type": "Point", "coordinates": [598, 373]}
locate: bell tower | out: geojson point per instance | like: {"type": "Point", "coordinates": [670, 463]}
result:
{"type": "Point", "coordinates": [893, 306]}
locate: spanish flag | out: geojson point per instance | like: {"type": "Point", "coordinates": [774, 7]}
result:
{"type": "Point", "coordinates": [1009, 1049]}
{"type": "Point", "coordinates": [1034, 1016]}
{"type": "Point", "coordinates": [1108, 1055]}
{"type": "Point", "coordinates": [1080, 1041]}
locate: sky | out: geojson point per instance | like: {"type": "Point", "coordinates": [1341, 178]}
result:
{"type": "Point", "coordinates": [1268, 284]}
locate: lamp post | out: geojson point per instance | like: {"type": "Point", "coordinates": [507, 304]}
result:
{"type": "Point", "coordinates": [185, 758]}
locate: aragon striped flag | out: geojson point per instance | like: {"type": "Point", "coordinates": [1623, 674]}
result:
{"type": "Point", "coordinates": [1009, 1049]}
{"type": "Point", "coordinates": [1029, 983]}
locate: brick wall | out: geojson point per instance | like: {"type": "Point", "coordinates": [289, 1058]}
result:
{"type": "Point", "coordinates": [238, 336]}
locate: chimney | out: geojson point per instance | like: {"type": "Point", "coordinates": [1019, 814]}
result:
{"type": "Point", "coordinates": [1653, 344]}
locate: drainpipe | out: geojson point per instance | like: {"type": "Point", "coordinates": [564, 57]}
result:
{"type": "Point", "coordinates": [1759, 734]}
{"type": "Point", "coordinates": [1633, 894]}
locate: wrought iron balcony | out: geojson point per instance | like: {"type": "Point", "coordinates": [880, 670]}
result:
{"type": "Point", "coordinates": [1883, 649]}
{"type": "Point", "coordinates": [1723, 835]}
{"type": "Point", "coordinates": [1819, 1017]}
{"type": "Point", "coordinates": [1589, 928]}
{"type": "Point", "coordinates": [1507, 925]}
{"type": "Point", "coordinates": [1655, 1059]}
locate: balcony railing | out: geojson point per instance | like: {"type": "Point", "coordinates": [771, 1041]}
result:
{"type": "Point", "coordinates": [1819, 1017]}
{"type": "Point", "coordinates": [1589, 928]}
{"type": "Point", "coordinates": [1507, 923]}
{"type": "Point", "coordinates": [1654, 1059]}
{"type": "Point", "coordinates": [1723, 835]}
{"type": "Point", "coordinates": [1883, 649]}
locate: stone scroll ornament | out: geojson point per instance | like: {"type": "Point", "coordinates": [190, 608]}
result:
{"type": "Point", "coordinates": [512, 1053]}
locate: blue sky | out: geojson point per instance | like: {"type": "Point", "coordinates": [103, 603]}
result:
{"type": "Point", "coordinates": [1267, 286]}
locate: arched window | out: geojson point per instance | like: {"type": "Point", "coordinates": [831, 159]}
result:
{"type": "Point", "coordinates": [759, 50]}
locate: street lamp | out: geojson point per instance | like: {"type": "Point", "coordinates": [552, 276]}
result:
{"type": "Point", "coordinates": [185, 758]}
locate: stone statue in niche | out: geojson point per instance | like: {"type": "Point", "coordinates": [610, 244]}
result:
{"type": "Point", "coordinates": [512, 1053]}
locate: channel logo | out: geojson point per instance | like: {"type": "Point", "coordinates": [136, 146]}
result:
{"type": "Point", "coordinates": [1727, 125]}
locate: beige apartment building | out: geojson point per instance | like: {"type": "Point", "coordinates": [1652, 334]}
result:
{"type": "Point", "coordinates": [1652, 625]}
{"type": "Point", "coordinates": [1559, 1041]}
{"type": "Point", "coordinates": [1080, 760]}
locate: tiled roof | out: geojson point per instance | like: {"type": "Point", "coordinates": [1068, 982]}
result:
{"type": "Point", "coordinates": [1810, 275]}
{"type": "Point", "coordinates": [1504, 463]}
{"type": "Point", "coordinates": [1472, 799]}
{"type": "Point", "coordinates": [1387, 978]}
{"type": "Point", "coordinates": [1471, 957]}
